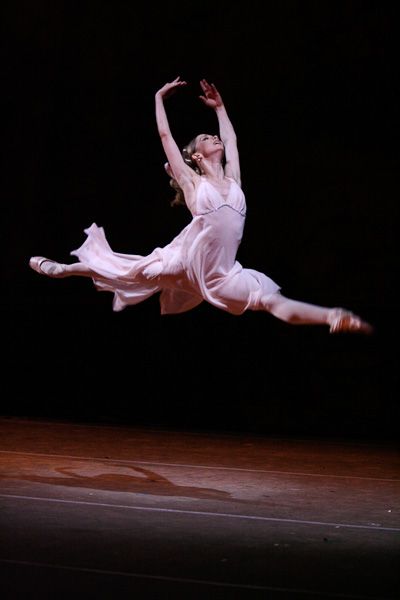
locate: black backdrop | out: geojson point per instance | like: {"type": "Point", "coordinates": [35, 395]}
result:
{"type": "Point", "coordinates": [312, 91]}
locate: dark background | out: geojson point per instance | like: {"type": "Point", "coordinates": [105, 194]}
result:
{"type": "Point", "coordinates": [311, 88]}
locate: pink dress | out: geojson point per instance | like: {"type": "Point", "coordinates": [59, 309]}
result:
{"type": "Point", "coordinates": [199, 264]}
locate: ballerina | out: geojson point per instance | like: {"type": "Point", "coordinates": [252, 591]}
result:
{"type": "Point", "coordinates": [200, 263]}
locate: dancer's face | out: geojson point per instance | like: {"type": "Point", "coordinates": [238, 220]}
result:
{"type": "Point", "coordinates": [207, 144]}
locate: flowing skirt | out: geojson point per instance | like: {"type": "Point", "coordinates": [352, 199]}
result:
{"type": "Point", "coordinates": [198, 265]}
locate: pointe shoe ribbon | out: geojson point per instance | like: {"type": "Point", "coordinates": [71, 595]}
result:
{"type": "Point", "coordinates": [53, 269]}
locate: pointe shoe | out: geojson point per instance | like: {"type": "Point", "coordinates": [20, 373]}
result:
{"type": "Point", "coordinates": [52, 269]}
{"type": "Point", "coordinates": [343, 321]}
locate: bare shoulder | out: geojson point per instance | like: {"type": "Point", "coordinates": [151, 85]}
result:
{"type": "Point", "coordinates": [236, 180]}
{"type": "Point", "coordinates": [189, 186]}
{"type": "Point", "coordinates": [233, 172]}
{"type": "Point", "coordinates": [187, 178]}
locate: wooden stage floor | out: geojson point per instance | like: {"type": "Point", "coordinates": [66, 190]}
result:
{"type": "Point", "coordinates": [110, 511]}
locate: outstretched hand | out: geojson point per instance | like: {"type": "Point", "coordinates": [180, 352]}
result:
{"type": "Point", "coordinates": [170, 88]}
{"type": "Point", "coordinates": [212, 97]}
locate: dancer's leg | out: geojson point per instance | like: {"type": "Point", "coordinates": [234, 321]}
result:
{"type": "Point", "coordinates": [304, 313]}
{"type": "Point", "coordinates": [51, 268]}
{"type": "Point", "coordinates": [295, 312]}
{"type": "Point", "coordinates": [78, 269]}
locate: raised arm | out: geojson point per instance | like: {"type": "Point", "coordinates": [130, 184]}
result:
{"type": "Point", "coordinates": [183, 174]}
{"type": "Point", "coordinates": [212, 98]}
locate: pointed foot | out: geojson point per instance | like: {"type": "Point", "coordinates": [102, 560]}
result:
{"type": "Point", "coordinates": [344, 321]}
{"type": "Point", "coordinates": [46, 266]}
